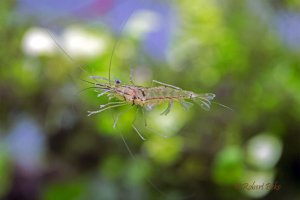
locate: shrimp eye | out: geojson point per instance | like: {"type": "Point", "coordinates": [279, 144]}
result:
{"type": "Point", "coordinates": [118, 81]}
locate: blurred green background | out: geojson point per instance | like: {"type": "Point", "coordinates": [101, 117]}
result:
{"type": "Point", "coordinates": [246, 52]}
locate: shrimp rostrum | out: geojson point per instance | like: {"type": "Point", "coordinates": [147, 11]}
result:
{"type": "Point", "coordinates": [148, 97]}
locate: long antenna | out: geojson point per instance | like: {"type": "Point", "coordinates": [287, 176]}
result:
{"type": "Point", "coordinates": [63, 50]}
{"type": "Point", "coordinates": [116, 43]}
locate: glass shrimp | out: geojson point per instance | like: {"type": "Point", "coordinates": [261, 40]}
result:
{"type": "Point", "coordinates": [148, 97]}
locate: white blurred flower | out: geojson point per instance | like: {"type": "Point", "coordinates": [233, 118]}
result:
{"type": "Point", "coordinates": [37, 41]}
{"type": "Point", "coordinates": [142, 22]}
{"type": "Point", "coordinates": [264, 151]}
{"type": "Point", "coordinates": [81, 43]}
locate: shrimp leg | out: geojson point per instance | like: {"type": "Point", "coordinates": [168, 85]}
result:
{"type": "Point", "coordinates": [145, 117]}
{"type": "Point", "coordinates": [118, 115]}
{"type": "Point", "coordinates": [186, 105]}
{"type": "Point", "coordinates": [165, 84]}
{"type": "Point", "coordinates": [105, 108]}
{"type": "Point", "coordinates": [168, 109]}
{"type": "Point", "coordinates": [134, 127]}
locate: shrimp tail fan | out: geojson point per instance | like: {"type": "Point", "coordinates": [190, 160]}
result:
{"type": "Point", "coordinates": [204, 100]}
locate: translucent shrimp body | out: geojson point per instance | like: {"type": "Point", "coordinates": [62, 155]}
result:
{"type": "Point", "coordinates": [151, 96]}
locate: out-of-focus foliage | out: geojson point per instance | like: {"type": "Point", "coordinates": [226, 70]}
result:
{"type": "Point", "coordinates": [246, 52]}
